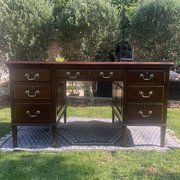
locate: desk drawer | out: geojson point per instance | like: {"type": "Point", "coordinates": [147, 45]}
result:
{"type": "Point", "coordinates": [107, 75]}
{"type": "Point", "coordinates": [31, 75]}
{"type": "Point", "coordinates": [146, 76]}
{"type": "Point", "coordinates": [144, 113]}
{"type": "Point", "coordinates": [73, 75]}
{"type": "Point", "coordinates": [32, 92]}
{"type": "Point", "coordinates": [145, 93]}
{"type": "Point", "coordinates": [33, 113]}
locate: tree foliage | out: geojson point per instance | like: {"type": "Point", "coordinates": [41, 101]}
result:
{"type": "Point", "coordinates": [25, 28]}
{"type": "Point", "coordinates": [155, 30]}
{"type": "Point", "coordinates": [126, 9]}
{"type": "Point", "coordinates": [88, 29]}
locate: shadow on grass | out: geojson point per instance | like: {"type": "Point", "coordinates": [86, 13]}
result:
{"type": "Point", "coordinates": [45, 166]}
{"type": "Point", "coordinates": [5, 128]}
{"type": "Point", "coordinates": [75, 165]}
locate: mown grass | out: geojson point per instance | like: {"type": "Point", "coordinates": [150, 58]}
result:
{"type": "Point", "coordinates": [4, 120]}
{"type": "Point", "coordinates": [90, 112]}
{"type": "Point", "coordinates": [173, 121]}
{"type": "Point", "coordinates": [90, 165]}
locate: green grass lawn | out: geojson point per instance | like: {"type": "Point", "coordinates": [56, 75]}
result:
{"type": "Point", "coordinates": [99, 165]}
{"type": "Point", "coordinates": [173, 121]}
{"type": "Point", "coordinates": [90, 112]}
{"type": "Point", "coordinates": [4, 121]}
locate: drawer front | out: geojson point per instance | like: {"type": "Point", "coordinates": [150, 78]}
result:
{"type": "Point", "coordinates": [107, 75]}
{"type": "Point", "coordinates": [146, 76]}
{"type": "Point", "coordinates": [145, 114]}
{"type": "Point", "coordinates": [32, 92]}
{"type": "Point", "coordinates": [73, 75]}
{"type": "Point", "coordinates": [31, 75]}
{"type": "Point", "coordinates": [33, 113]}
{"type": "Point", "coordinates": [145, 93]}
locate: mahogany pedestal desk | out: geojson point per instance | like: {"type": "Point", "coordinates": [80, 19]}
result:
{"type": "Point", "coordinates": [38, 92]}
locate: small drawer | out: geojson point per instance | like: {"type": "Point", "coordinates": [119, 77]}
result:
{"type": "Point", "coordinates": [73, 75]}
{"type": "Point", "coordinates": [107, 75]}
{"type": "Point", "coordinates": [32, 92]}
{"type": "Point", "coordinates": [146, 76]}
{"type": "Point", "coordinates": [32, 113]}
{"type": "Point", "coordinates": [145, 93]}
{"type": "Point", "coordinates": [144, 113]}
{"type": "Point", "coordinates": [31, 75]}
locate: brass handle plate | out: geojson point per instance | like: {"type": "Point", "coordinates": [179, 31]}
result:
{"type": "Point", "coordinates": [77, 74]}
{"type": "Point", "coordinates": [33, 115]}
{"type": "Point", "coordinates": [106, 77]}
{"type": "Point", "coordinates": [145, 78]}
{"type": "Point", "coordinates": [145, 115]}
{"type": "Point", "coordinates": [27, 92]}
{"type": "Point", "coordinates": [31, 78]}
{"type": "Point", "coordinates": [141, 93]}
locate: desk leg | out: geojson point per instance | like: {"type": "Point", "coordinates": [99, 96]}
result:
{"type": "Point", "coordinates": [163, 135]}
{"type": "Point", "coordinates": [123, 135]}
{"type": "Point", "coordinates": [113, 116]}
{"type": "Point", "coordinates": [65, 115]}
{"type": "Point", "coordinates": [14, 135]}
{"type": "Point", "coordinates": [54, 135]}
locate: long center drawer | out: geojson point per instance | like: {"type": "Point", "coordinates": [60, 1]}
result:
{"type": "Point", "coordinates": [97, 75]}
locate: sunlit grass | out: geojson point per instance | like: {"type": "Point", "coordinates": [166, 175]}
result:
{"type": "Point", "coordinates": [90, 165]}
{"type": "Point", "coordinates": [173, 120]}
{"type": "Point", "coordinates": [90, 112]}
{"type": "Point", "coordinates": [4, 120]}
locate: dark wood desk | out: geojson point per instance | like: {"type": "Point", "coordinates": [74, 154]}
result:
{"type": "Point", "coordinates": [38, 92]}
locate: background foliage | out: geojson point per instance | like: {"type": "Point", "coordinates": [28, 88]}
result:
{"type": "Point", "coordinates": [88, 29]}
{"type": "Point", "coordinates": [155, 30]}
{"type": "Point", "coordinates": [25, 28]}
{"type": "Point", "coordinates": [126, 10]}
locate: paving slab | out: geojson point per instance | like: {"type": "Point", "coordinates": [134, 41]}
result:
{"type": "Point", "coordinates": [88, 134]}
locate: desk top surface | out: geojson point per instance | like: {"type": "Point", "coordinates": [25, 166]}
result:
{"type": "Point", "coordinates": [79, 64]}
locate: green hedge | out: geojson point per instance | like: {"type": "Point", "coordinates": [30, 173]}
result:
{"type": "Point", "coordinates": [25, 28]}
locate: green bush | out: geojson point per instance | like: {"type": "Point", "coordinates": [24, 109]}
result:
{"type": "Point", "coordinates": [155, 30]}
{"type": "Point", "coordinates": [25, 28]}
{"type": "Point", "coordinates": [88, 29]}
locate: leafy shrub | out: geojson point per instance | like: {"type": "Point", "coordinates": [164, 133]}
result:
{"type": "Point", "coordinates": [155, 30]}
{"type": "Point", "coordinates": [88, 29]}
{"type": "Point", "coordinates": [25, 28]}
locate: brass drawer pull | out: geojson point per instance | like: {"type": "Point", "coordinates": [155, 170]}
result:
{"type": "Point", "coordinates": [32, 95]}
{"type": "Point", "coordinates": [146, 96]}
{"type": "Point", "coordinates": [145, 116]}
{"type": "Point", "coordinates": [33, 115]}
{"type": "Point", "coordinates": [73, 77]}
{"type": "Point", "coordinates": [31, 78]}
{"type": "Point", "coordinates": [106, 77]}
{"type": "Point", "coordinates": [142, 76]}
